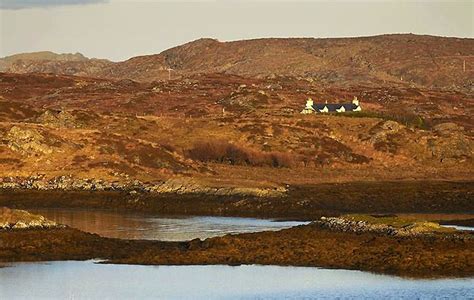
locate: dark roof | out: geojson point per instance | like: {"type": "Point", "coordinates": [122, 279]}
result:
{"type": "Point", "coordinates": [333, 107]}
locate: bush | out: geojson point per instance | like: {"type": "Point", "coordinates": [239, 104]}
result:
{"type": "Point", "coordinates": [407, 119]}
{"type": "Point", "coordinates": [224, 152]}
{"type": "Point", "coordinates": [168, 147]}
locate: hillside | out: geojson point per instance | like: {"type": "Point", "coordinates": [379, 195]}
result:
{"type": "Point", "coordinates": [225, 130]}
{"type": "Point", "coordinates": [424, 61]}
{"type": "Point", "coordinates": [229, 117]}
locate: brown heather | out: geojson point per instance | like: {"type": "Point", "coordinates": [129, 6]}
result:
{"type": "Point", "coordinates": [224, 152]}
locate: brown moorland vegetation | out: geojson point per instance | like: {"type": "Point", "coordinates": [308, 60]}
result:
{"type": "Point", "coordinates": [227, 153]}
{"type": "Point", "coordinates": [236, 121]}
{"type": "Point", "coordinates": [310, 245]}
{"type": "Point", "coordinates": [91, 128]}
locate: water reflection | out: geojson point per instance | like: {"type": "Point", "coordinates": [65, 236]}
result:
{"type": "Point", "coordinates": [86, 280]}
{"type": "Point", "coordinates": [136, 226]}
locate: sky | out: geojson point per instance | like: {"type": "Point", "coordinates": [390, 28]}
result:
{"type": "Point", "coordinates": [120, 29]}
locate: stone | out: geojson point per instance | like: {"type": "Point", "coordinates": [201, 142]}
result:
{"type": "Point", "coordinates": [20, 225]}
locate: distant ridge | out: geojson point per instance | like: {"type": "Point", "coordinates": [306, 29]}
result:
{"type": "Point", "coordinates": [7, 61]}
{"type": "Point", "coordinates": [417, 59]}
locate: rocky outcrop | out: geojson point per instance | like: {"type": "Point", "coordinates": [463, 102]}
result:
{"type": "Point", "coordinates": [66, 183]}
{"type": "Point", "coordinates": [450, 142]}
{"type": "Point", "coordinates": [445, 142]}
{"type": "Point", "coordinates": [62, 119]}
{"type": "Point", "coordinates": [386, 136]}
{"type": "Point", "coordinates": [340, 224]}
{"type": "Point", "coordinates": [27, 141]}
{"type": "Point", "coordinates": [20, 219]}
{"type": "Point", "coordinates": [382, 131]}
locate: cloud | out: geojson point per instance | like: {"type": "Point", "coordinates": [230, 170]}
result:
{"type": "Point", "coordinates": [20, 4]}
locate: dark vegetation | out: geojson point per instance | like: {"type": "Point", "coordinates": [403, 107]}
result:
{"type": "Point", "coordinates": [301, 203]}
{"type": "Point", "coordinates": [8, 160]}
{"type": "Point", "coordinates": [224, 152]}
{"type": "Point", "coordinates": [408, 119]}
{"type": "Point", "coordinates": [465, 222]}
{"type": "Point", "coordinates": [308, 245]}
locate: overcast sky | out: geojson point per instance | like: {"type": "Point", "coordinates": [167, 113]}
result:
{"type": "Point", "coordinates": [120, 29]}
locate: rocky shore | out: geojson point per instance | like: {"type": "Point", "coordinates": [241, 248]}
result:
{"type": "Point", "coordinates": [376, 243]}
{"type": "Point", "coordinates": [312, 245]}
{"type": "Point", "coordinates": [175, 186]}
{"type": "Point", "coordinates": [412, 229]}
{"type": "Point", "coordinates": [20, 219]}
{"type": "Point", "coordinates": [298, 203]}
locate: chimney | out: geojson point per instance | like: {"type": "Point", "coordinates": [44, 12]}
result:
{"type": "Point", "coordinates": [355, 101]}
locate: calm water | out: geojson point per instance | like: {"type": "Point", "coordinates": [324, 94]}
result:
{"type": "Point", "coordinates": [465, 228]}
{"type": "Point", "coordinates": [86, 280]}
{"type": "Point", "coordinates": [89, 280]}
{"type": "Point", "coordinates": [139, 226]}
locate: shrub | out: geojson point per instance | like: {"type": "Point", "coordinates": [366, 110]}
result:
{"type": "Point", "coordinates": [225, 152]}
{"type": "Point", "coordinates": [168, 147]}
{"type": "Point", "coordinates": [407, 119]}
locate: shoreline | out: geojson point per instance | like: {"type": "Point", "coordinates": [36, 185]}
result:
{"type": "Point", "coordinates": [312, 245]}
{"type": "Point", "coordinates": [420, 256]}
{"type": "Point", "coordinates": [300, 203]}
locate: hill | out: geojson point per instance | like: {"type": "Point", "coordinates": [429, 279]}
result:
{"type": "Point", "coordinates": [17, 60]}
{"type": "Point", "coordinates": [229, 116]}
{"type": "Point", "coordinates": [225, 130]}
{"type": "Point", "coordinates": [426, 61]}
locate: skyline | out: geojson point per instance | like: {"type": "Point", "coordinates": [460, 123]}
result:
{"type": "Point", "coordinates": [118, 30]}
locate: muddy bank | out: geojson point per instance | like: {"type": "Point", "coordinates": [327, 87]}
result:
{"type": "Point", "coordinates": [308, 245]}
{"type": "Point", "coordinates": [300, 202]}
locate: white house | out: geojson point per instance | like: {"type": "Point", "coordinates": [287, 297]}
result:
{"type": "Point", "coordinates": [331, 107]}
